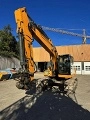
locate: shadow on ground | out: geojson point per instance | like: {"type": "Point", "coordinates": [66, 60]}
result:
{"type": "Point", "coordinates": [45, 106]}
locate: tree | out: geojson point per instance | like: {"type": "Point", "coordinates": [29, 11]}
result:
{"type": "Point", "coordinates": [8, 42]}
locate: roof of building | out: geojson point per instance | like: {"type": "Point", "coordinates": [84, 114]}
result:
{"type": "Point", "coordinates": [79, 52]}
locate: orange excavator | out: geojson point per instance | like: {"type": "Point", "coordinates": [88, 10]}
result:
{"type": "Point", "coordinates": [60, 65]}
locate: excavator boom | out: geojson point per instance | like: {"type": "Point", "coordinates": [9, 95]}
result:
{"type": "Point", "coordinates": [27, 28]}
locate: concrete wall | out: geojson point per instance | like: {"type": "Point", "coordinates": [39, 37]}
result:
{"type": "Point", "coordinates": [9, 63]}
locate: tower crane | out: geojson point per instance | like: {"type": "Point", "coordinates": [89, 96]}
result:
{"type": "Point", "coordinates": [83, 36]}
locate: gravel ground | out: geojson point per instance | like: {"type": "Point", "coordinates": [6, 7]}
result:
{"type": "Point", "coordinates": [18, 104]}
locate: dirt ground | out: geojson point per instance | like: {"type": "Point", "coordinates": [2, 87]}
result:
{"type": "Point", "coordinates": [18, 104]}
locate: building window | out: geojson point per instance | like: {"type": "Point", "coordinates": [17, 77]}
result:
{"type": "Point", "coordinates": [76, 67]}
{"type": "Point", "coordinates": [87, 68]}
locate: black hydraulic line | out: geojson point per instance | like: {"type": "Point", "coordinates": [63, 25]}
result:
{"type": "Point", "coordinates": [22, 53]}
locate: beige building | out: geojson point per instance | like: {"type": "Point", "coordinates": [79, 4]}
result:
{"type": "Point", "coordinates": [81, 54]}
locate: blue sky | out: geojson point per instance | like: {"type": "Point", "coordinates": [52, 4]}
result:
{"type": "Point", "coordinates": [70, 15]}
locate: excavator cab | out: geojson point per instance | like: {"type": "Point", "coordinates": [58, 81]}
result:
{"type": "Point", "coordinates": [64, 64]}
{"type": "Point", "coordinates": [63, 67]}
